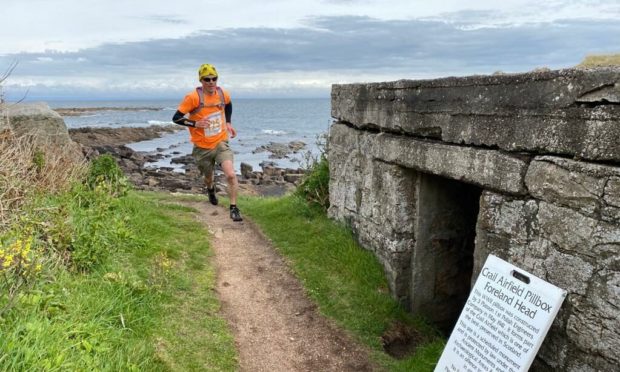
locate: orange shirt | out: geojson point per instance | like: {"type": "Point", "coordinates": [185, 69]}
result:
{"type": "Point", "coordinates": [207, 138]}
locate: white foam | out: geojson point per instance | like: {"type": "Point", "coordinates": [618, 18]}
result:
{"type": "Point", "coordinates": [274, 132]}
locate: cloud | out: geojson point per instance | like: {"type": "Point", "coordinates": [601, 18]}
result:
{"type": "Point", "coordinates": [272, 61]}
{"type": "Point", "coordinates": [164, 19]}
{"type": "Point", "coordinates": [345, 2]}
{"type": "Point", "coordinates": [532, 14]}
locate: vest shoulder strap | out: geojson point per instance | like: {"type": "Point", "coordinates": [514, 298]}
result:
{"type": "Point", "coordinates": [201, 100]}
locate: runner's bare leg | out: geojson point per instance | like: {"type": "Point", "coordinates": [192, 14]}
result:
{"type": "Point", "coordinates": [209, 180]}
{"type": "Point", "coordinates": [231, 178]}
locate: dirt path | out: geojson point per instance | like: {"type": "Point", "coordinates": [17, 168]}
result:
{"type": "Point", "coordinates": [276, 326]}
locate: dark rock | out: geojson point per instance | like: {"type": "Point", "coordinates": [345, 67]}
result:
{"type": "Point", "coordinates": [119, 136]}
{"type": "Point", "coordinates": [129, 165]}
{"type": "Point", "coordinates": [118, 151]}
{"type": "Point", "coordinates": [280, 150]}
{"type": "Point", "coordinates": [296, 145]}
{"type": "Point", "coordinates": [175, 183]}
{"type": "Point", "coordinates": [138, 157]}
{"type": "Point", "coordinates": [154, 173]}
{"type": "Point", "coordinates": [79, 111]}
{"type": "Point", "coordinates": [271, 171]}
{"type": "Point", "coordinates": [186, 159]}
{"type": "Point", "coordinates": [152, 181]}
{"type": "Point", "coordinates": [293, 177]}
{"type": "Point", "coordinates": [246, 170]}
{"type": "Point", "coordinates": [152, 158]}
{"type": "Point", "coordinates": [277, 150]}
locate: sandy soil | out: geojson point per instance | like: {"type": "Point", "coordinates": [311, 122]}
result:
{"type": "Point", "coordinates": [276, 326]}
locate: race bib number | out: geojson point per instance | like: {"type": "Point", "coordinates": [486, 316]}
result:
{"type": "Point", "coordinates": [214, 124]}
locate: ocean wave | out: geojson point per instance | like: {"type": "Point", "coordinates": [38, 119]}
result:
{"type": "Point", "coordinates": [274, 132]}
{"type": "Point", "coordinates": [159, 122]}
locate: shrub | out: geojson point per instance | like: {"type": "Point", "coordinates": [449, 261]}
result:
{"type": "Point", "coordinates": [315, 185]}
{"type": "Point", "coordinates": [104, 170]}
{"type": "Point", "coordinates": [98, 224]}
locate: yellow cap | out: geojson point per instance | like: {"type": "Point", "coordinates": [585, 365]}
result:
{"type": "Point", "coordinates": [206, 70]}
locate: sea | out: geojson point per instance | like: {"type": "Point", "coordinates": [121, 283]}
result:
{"type": "Point", "coordinates": [257, 121]}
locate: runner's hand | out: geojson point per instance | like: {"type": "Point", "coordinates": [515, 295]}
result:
{"type": "Point", "coordinates": [202, 123]}
{"type": "Point", "coordinates": [231, 130]}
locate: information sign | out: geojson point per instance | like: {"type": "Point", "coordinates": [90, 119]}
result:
{"type": "Point", "coordinates": [504, 321]}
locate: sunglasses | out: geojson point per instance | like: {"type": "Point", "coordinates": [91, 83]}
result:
{"type": "Point", "coordinates": [208, 79]}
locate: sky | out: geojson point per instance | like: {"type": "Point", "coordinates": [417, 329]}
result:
{"type": "Point", "coordinates": [139, 49]}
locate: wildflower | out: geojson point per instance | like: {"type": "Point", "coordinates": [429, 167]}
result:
{"type": "Point", "coordinates": [27, 247]}
{"type": "Point", "coordinates": [166, 263]}
{"type": "Point", "coordinates": [8, 260]}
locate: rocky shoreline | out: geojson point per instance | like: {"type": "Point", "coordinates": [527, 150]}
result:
{"type": "Point", "coordinates": [93, 137]}
{"type": "Point", "coordinates": [77, 111]}
{"type": "Point", "coordinates": [268, 181]}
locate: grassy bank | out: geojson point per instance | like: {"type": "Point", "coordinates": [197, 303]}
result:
{"type": "Point", "coordinates": [148, 306]}
{"type": "Point", "coordinates": [94, 276]}
{"type": "Point", "coordinates": [346, 281]}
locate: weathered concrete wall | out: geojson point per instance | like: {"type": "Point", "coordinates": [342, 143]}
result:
{"type": "Point", "coordinates": [540, 150]}
{"type": "Point", "coordinates": [567, 112]}
{"type": "Point", "coordinates": [377, 200]}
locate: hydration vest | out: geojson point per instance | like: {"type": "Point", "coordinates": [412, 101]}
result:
{"type": "Point", "coordinates": [202, 100]}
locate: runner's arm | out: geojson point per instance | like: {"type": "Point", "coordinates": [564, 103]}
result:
{"type": "Point", "coordinates": [228, 115]}
{"type": "Point", "coordinates": [228, 111]}
{"type": "Point", "coordinates": [179, 118]}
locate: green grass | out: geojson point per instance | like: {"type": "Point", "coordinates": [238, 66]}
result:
{"type": "Point", "coordinates": [149, 307]}
{"type": "Point", "coordinates": [192, 335]}
{"type": "Point", "coordinates": [346, 281]}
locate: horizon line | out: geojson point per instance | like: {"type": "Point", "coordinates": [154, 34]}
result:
{"type": "Point", "coordinates": [82, 99]}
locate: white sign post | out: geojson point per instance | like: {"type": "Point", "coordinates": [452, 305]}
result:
{"type": "Point", "coordinates": [504, 321]}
